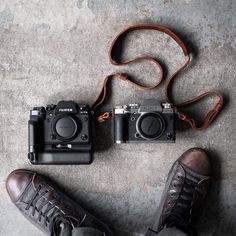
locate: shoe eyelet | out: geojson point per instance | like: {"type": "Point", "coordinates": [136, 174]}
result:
{"type": "Point", "coordinates": [175, 185]}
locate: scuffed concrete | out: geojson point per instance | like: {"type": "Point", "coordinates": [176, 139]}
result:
{"type": "Point", "coordinates": [53, 50]}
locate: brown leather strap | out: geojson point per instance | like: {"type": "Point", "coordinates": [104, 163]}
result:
{"type": "Point", "coordinates": [115, 43]}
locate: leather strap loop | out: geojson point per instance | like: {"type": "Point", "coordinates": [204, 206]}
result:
{"type": "Point", "coordinates": [105, 116]}
{"type": "Point", "coordinates": [103, 94]}
{"type": "Point", "coordinates": [210, 115]}
{"type": "Point", "coordinates": [143, 27]}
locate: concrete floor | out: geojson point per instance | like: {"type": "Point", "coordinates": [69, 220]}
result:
{"type": "Point", "coordinates": [53, 50]}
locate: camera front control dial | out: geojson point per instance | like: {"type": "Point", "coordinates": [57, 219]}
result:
{"type": "Point", "coordinates": [66, 127]}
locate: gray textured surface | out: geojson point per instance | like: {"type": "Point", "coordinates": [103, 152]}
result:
{"type": "Point", "coordinates": [52, 50]}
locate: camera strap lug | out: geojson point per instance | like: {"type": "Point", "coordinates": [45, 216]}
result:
{"type": "Point", "coordinates": [115, 50]}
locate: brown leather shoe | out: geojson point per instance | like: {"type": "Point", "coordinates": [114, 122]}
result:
{"type": "Point", "coordinates": [41, 202]}
{"type": "Point", "coordinates": [186, 187]}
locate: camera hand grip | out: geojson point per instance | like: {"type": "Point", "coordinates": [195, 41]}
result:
{"type": "Point", "coordinates": [32, 139]}
{"type": "Point", "coordinates": [119, 128]}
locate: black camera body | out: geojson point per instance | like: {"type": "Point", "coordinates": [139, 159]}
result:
{"type": "Point", "coordinates": [60, 134]}
{"type": "Point", "coordinates": [152, 121]}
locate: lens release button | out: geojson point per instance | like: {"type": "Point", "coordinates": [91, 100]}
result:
{"type": "Point", "coordinates": [84, 137]}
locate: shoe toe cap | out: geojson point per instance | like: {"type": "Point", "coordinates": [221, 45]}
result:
{"type": "Point", "coordinates": [17, 182]}
{"type": "Point", "coordinates": [197, 160]}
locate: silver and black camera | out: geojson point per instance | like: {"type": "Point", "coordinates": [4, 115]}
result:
{"type": "Point", "coordinates": [60, 134]}
{"type": "Point", "coordinates": [152, 121]}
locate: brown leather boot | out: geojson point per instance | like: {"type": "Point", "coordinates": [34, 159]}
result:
{"type": "Point", "coordinates": [47, 207]}
{"type": "Point", "coordinates": [186, 187]}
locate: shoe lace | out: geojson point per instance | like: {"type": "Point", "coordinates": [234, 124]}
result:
{"type": "Point", "coordinates": [181, 214]}
{"type": "Point", "coordinates": [61, 226]}
{"type": "Point", "coordinates": [48, 210]}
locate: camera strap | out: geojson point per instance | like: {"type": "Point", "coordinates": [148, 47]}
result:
{"type": "Point", "coordinates": [114, 52]}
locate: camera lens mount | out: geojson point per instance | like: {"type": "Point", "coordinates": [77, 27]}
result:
{"type": "Point", "coordinates": [150, 126]}
{"type": "Point", "coordinates": [65, 127]}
